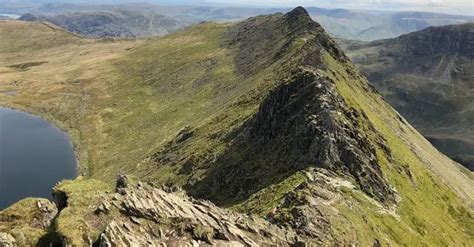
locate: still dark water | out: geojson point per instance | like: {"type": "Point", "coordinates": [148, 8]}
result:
{"type": "Point", "coordinates": [34, 155]}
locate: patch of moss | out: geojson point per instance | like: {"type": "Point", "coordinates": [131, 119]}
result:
{"type": "Point", "coordinates": [204, 233]}
{"type": "Point", "coordinates": [77, 222]}
{"type": "Point", "coordinates": [266, 199]}
{"type": "Point", "coordinates": [23, 220]}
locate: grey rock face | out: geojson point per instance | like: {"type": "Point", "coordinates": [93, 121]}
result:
{"type": "Point", "coordinates": [121, 184]}
{"type": "Point", "coordinates": [153, 217]}
{"type": "Point", "coordinates": [47, 212]}
{"type": "Point", "coordinates": [302, 123]}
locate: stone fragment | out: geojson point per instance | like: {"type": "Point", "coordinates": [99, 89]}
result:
{"type": "Point", "coordinates": [7, 240]}
{"type": "Point", "coordinates": [121, 184]}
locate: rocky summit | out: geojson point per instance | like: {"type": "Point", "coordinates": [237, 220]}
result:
{"type": "Point", "coordinates": [256, 133]}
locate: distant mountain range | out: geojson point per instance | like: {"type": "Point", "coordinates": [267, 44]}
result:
{"type": "Point", "coordinates": [428, 76]}
{"type": "Point", "coordinates": [116, 23]}
{"type": "Point", "coordinates": [343, 23]}
{"type": "Point", "coordinates": [372, 25]}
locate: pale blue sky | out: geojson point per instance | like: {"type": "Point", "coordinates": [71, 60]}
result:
{"type": "Point", "coordinates": [350, 2]}
{"type": "Point", "coordinates": [450, 6]}
{"type": "Point", "coordinates": [465, 7]}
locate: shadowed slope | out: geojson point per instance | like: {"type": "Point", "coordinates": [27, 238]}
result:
{"type": "Point", "coordinates": [428, 76]}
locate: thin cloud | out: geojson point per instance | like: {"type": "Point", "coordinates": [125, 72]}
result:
{"type": "Point", "coordinates": [447, 6]}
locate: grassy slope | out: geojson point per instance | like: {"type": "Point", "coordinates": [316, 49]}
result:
{"type": "Point", "coordinates": [78, 218]}
{"type": "Point", "coordinates": [167, 84]}
{"type": "Point", "coordinates": [429, 212]}
{"type": "Point", "coordinates": [73, 77]}
{"type": "Point", "coordinates": [122, 101]}
{"type": "Point", "coordinates": [118, 110]}
{"type": "Point", "coordinates": [436, 199]}
{"type": "Point", "coordinates": [133, 97]}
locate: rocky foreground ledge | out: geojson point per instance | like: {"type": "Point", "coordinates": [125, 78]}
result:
{"type": "Point", "coordinates": [141, 214]}
{"type": "Point", "coordinates": [152, 216]}
{"type": "Point", "coordinates": [134, 215]}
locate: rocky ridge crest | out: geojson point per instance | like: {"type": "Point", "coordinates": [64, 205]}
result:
{"type": "Point", "coordinates": [302, 122]}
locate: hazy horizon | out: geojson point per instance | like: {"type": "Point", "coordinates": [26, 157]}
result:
{"type": "Point", "coordinates": [459, 7]}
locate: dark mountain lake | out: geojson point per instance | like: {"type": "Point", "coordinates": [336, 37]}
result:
{"type": "Point", "coordinates": [34, 156]}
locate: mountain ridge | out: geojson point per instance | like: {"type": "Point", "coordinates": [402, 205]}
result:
{"type": "Point", "coordinates": [427, 76]}
{"type": "Point", "coordinates": [112, 23]}
{"type": "Point", "coordinates": [269, 121]}
{"type": "Point", "coordinates": [372, 178]}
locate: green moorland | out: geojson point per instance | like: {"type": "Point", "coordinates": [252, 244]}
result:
{"type": "Point", "coordinates": [164, 109]}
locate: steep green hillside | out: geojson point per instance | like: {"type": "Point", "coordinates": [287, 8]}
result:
{"type": "Point", "coordinates": [266, 116]}
{"type": "Point", "coordinates": [428, 76]}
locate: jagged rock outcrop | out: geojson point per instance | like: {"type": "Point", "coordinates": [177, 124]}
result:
{"type": "Point", "coordinates": [301, 123]}
{"type": "Point", "coordinates": [262, 40]}
{"type": "Point", "coordinates": [308, 207]}
{"type": "Point", "coordinates": [325, 132]}
{"type": "Point", "coordinates": [153, 217]}
{"type": "Point", "coordinates": [452, 40]}
{"type": "Point", "coordinates": [146, 215]}
{"type": "Point", "coordinates": [121, 184]}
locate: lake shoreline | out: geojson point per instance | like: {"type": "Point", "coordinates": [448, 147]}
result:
{"type": "Point", "coordinates": [75, 144]}
{"type": "Point", "coordinates": [39, 150]}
